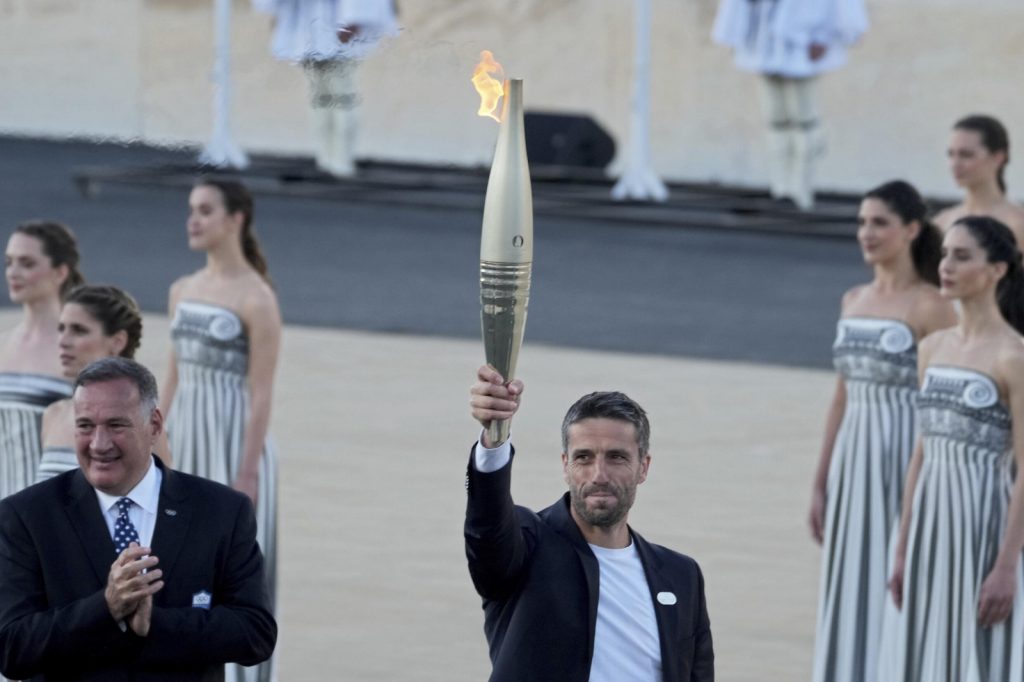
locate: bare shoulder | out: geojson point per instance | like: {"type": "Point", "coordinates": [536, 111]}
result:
{"type": "Point", "coordinates": [52, 416]}
{"type": "Point", "coordinates": [928, 294]}
{"type": "Point", "coordinates": [1011, 212]}
{"type": "Point", "coordinates": [852, 295]}
{"type": "Point", "coordinates": [1010, 360]}
{"type": "Point", "coordinates": [181, 287]}
{"type": "Point", "coordinates": [1013, 216]}
{"type": "Point", "coordinates": [259, 300]}
{"type": "Point", "coordinates": [947, 216]}
{"type": "Point", "coordinates": [931, 310]}
{"type": "Point", "coordinates": [1008, 369]}
{"type": "Point", "coordinates": [933, 342]}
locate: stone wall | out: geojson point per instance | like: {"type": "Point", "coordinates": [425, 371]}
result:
{"type": "Point", "coordinates": [140, 69]}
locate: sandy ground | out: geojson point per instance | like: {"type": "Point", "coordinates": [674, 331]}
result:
{"type": "Point", "coordinates": [374, 432]}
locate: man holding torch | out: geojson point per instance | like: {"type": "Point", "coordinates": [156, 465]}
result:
{"type": "Point", "coordinates": [572, 593]}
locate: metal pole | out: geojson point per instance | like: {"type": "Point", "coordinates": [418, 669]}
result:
{"type": "Point", "coordinates": [221, 151]}
{"type": "Point", "coordinates": [639, 182]}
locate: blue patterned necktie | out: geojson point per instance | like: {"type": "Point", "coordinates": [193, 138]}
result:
{"type": "Point", "coordinates": [124, 530]}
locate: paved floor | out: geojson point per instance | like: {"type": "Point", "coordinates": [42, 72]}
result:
{"type": "Point", "coordinates": [373, 431]}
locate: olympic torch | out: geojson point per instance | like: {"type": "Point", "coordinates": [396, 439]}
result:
{"type": "Point", "coordinates": [506, 237]}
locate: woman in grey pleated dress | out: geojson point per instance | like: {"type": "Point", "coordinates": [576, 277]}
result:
{"type": "Point", "coordinates": [226, 332]}
{"type": "Point", "coordinates": [869, 435]}
{"type": "Point", "coordinates": [957, 576]}
{"type": "Point", "coordinates": [41, 266]}
{"type": "Point", "coordinates": [96, 321]}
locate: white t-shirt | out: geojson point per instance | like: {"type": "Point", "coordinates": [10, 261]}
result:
{"type": "Point", "coordinates": [626, 643]}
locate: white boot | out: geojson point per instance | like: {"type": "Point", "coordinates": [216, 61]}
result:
{"type": "Point", "coordinates": [809, 142]}
{"type": "Point", "coordinates": [780, 160]}
{"type": "Point", "coordinates": [775, 106]}
{"type": "Point", "coordinates": [340, 160]}
{"type": "Point", "coordinates": [323, 135]}
{"type": "Point", "coordinates": [806, 149]}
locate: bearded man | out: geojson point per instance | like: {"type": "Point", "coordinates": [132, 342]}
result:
{"type": "Point", "coordinates": [572, 593]}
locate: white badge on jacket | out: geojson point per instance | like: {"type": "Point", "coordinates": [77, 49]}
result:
{"type": "Point", "coordinates": [202, 600]}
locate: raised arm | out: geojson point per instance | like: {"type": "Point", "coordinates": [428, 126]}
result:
{"type": "Point", "coordinates": [491, 399]}
{"type": "Point", "coordinates": [495, 545]}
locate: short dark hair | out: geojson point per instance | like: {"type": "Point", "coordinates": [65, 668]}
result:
{"type": "Point", "coordinates": [114, 368]}
{"type": "Point", "coordinates": [609, 405]}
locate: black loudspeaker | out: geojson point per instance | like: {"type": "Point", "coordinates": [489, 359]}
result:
{"type": "Point", "coordinates": [566, 140]}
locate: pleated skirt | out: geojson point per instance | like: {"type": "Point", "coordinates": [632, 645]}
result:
{"type": "Point", "coordinates": [864, 493]}
{"type": "Point", "coordinates": [959, 512]}
{"type": "Point", "coordinates": [206, 431]}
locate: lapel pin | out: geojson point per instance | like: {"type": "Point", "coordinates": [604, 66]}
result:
{"type": "Point", "coordinates": [666, 598]}
{"type": "Point", "coordinates": [171, 512]}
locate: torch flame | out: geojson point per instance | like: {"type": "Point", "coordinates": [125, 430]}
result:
{"type": "Point", "coordinates": [490, 89]}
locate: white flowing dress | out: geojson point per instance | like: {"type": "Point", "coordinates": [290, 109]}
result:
{"type": "Point", "coordinates": [23, 399]}
{"type": "Point", "coordinates": [959, 515]}
{"type": "Point", "coordinates": [207, 420]}
{"type": "Point", "coordinates": [877, 359]}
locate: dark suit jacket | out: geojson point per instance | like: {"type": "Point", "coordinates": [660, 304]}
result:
{"type": "Point", "coordinates": [55, 556]}
{"type": "Point", "coordinates": [539, 583]}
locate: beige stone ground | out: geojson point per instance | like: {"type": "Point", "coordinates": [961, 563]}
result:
{"type": "Point", "coordinates": [373, 432]}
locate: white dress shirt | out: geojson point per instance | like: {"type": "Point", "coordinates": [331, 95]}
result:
{"type": "Point", "coordinates": [489, 460]}
{"type": "Point", "coordinates": [142, 514]}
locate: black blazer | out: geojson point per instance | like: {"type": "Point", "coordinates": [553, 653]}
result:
{"type": "Point", "coordinates": [539, 583]}
{"type": "Point", "coordinates": [55, 556]}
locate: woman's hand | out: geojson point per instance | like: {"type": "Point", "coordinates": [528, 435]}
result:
{"type": "Point", "coordinates": [995, 602]}
{"type": "Point", "coordinates": [896, 580]}
{"type": "Point", "coordinates": [248, 483]}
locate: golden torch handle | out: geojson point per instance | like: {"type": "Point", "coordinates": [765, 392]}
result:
{"type": "Point", "coordinates": [504, 296]}
{"type": "Point", "coordinates": [506, 246]}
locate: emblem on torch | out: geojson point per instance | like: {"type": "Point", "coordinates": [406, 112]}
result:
{"type": "Point", "coordinates": [506, 236]}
